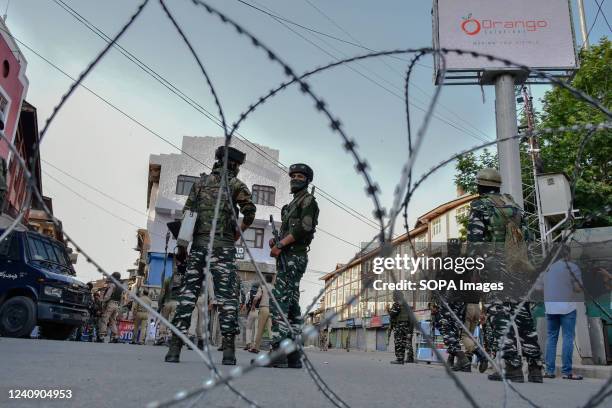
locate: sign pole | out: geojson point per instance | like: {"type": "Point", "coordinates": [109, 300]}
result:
{"type": "Point", "coordinates": [508, 151]}
{"type": "Point", "coordinates": [583, 26]}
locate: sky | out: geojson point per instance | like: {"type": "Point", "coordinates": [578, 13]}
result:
{"type": "Point", "coordinates": [93, 142]}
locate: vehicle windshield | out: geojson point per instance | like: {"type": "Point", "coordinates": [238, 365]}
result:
{"type": "Point", "coordinates": [50, 254]}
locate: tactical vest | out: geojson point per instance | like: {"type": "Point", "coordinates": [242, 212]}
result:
{"type": "Point", "coordinates": [403, 315]}
{"type": "Point", "coordinates": [503, 208]}
{"type": "Point", "coordinates": [116, 295]}
{"type": "Point", "coordinates": [291, 215]}
{"type": "Point", "coordinates": [204, 204]}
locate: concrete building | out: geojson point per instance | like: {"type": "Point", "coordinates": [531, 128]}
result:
{"type": "Point", "coordinates": [170, 179]}
{"type": "Point", "coordinates": [13, 86]}
{"type": "Point", "coordinates": [364, 324]}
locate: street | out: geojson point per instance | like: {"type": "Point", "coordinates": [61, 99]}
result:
{"type": "Point", "coordinates": [122, 375]}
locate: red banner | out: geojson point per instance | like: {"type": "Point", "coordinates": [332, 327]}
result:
{"type": "Point", "coordinates": [125, 327]}
{"type": "Point", "coordinates": [375, 321]}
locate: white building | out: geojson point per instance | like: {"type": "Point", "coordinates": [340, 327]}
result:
{"type": "Point", "coordinates": [170, 179]}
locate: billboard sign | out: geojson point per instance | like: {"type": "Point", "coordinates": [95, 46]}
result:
{"type": "Point", "coordinates": [538, 34]}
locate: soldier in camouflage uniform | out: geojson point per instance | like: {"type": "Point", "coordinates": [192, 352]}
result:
{"type": "Point", "coordinates": [402, 330]}
{"type": "Point", "coordinates": [450, 329]}
{"type": "Point", "coordinates": [202, 199]}
{"type": "Point", "coordinates": [299, 220]}
{"type": "Point", "coordinates": [489, 219]}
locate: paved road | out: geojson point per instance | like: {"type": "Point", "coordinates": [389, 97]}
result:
{"type": "Point", "coordinates": [121, 375]}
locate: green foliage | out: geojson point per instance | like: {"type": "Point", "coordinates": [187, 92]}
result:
{"type": "Point", "coordinates": [560, 150]}
{"type": "Point", "coordinates": [467, 167]}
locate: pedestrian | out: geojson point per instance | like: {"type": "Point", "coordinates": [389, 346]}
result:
{"type": "Point", "coordinates": [562, 288]}
{"type": "Point", "coordinates": [323, 342]}
{"type": "Point", "coordinates": [264, 322]}
{"type": "Point", "coordinates": [141, 317]}
{"type": "Point", "coordinates": [202, 200]}
{"type": "Point", "coordinates": [110, 302]}
{"type": "Point", "coordinates": [253, 311]}
{"type": "Point", "coordinates": [169, 302]}
{"type": "Point", "coordinates": [403, 329]}
{"type": "Point", "coordinates": [299, 221]}
{"type": "Point", "coordinates": [497, 232]}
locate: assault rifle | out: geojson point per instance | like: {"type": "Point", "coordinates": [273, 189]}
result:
{"type": "Point", "coordinates": [277, 239]}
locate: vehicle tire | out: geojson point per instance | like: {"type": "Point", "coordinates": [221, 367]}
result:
{"type": "Point", "coordinates": [17, 317]}
{"type": "Point", "coordinates": [55, 331]}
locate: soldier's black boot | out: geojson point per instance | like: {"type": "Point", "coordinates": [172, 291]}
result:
{"type": "Point", "coordinates": [174, 351]}
{"type": "Point", "coordinates": [462, 363]}
{"type": "Point", "coordinates": [229, 351]}
{"type": "Point", "coordinates": [220, 348]}
{"type": "Point", "coordinates": [483, 363]}
{"type": "Point", "coordinates": [397, 361]}
{"type": "Point", "coordinates": [410, 358]}
{"type": "Point", "coordinates": [294, 359]}
{"type": "Point", "coordinates": [281, 360]}
{"type": "Point", "coordinates": [535, 373]}
{"type": "Point", "coordinates": [201, 344]}
{"type": "Point", "coordinates": [450, 361]}
{"type": "Point", "coordinates": [514, 374]}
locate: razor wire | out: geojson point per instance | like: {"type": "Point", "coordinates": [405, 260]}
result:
{"type": "Point", "coordinates": [361, 167]}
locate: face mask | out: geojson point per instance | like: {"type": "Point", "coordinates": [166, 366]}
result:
{"type": "Point", "coordinates": [297, 185]}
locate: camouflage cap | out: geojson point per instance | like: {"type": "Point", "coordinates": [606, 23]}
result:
{"type": "Point", "coordinates": [303, 169]}
{"type": "Point", "coordinates": [488, 177]}
{"type": "Point", "coordinates": [233, 154]}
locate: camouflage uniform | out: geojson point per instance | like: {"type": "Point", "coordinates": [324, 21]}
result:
{"type": "Point", "coordinates": [202, 199]}
{"type": "Point", "coordinates": [299, 218]}
{"type": "Point", "coordinates": [402, 332]}
{"type": "Point", "coordinates": [449, 328]}
{"type": "Point", "coordinates": [487, 233]}
{"type": "Point", "coordinates": [111, 300]}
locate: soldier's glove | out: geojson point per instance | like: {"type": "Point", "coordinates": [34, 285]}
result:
{"type": "Point", "coordinates": [181, 253]}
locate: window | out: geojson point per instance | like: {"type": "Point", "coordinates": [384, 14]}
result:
{"type": "Point", "coordinates": [333, 298]}
{"type": "Point", "coordinates": [184, 184]}
{"type": "Point", "coordinates": [436, 227]}
{"type": "Point", "coordinates": [420, 242]}
{"type": "Point", "coordinates": [264, 195]}
{"type": "Point", "coordinates": [462, 212]}
{"type": "Point", "coordinates": [355, 272]}
{"type": "Point", "coordinates": [3, 105]}
{"type": "Point", "coordinates": [254, 237]}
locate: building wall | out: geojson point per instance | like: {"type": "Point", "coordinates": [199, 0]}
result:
{"type": "Point", "coordinates": [166, 205]}
{"type": "Point", "coordinates": [374, 303]}
{"type": "Point", "coordinates": [13, 86]}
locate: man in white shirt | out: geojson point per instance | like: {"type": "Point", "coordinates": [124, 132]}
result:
{"type": "Point", "coordinates": [562, 291]}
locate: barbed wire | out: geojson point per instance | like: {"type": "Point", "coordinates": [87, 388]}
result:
{"type": "Point", "coordinates": [372, 190]}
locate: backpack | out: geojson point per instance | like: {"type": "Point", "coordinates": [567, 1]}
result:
{"type": "Point", "coordinates": [507, 218]}
{"type": "Point", "coordinates": [205, 202]}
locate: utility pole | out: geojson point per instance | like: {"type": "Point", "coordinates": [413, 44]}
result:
{"type": "Point", "coordinates": [536, 164]}
{"type": "Point", "coordinates": [508, 150]}
{"type": "Point", "coordinates": [583, 26]}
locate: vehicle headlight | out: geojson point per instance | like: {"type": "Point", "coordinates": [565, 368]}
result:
{"type": "Point", "coordinates": [51, 291]}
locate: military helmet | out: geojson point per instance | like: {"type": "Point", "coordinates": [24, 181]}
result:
{"type": "Point", "coordinates": [116, 275]}
{"type": "Point", "coordinates": [302, 168]}
{"type": "Point", "coordinates": [233, 154]}
{"type": "Point", "coordinates": [488, 177]}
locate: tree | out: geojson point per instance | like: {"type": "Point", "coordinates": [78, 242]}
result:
{"type": "Point", "coordinates": [467, 167]}
{"type": "Point", "coordinates": [559, 151]}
